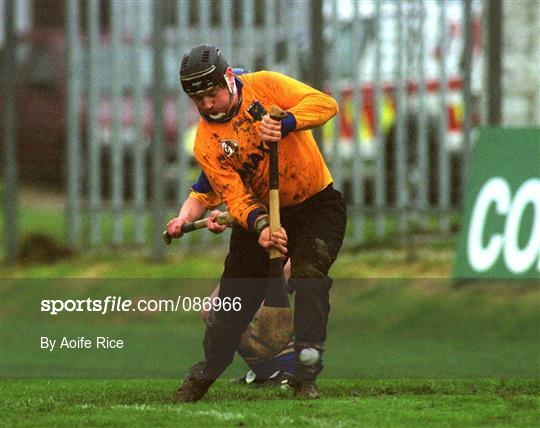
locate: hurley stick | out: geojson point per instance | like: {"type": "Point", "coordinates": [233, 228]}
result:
{"type": "Point", "coordinates": [275, 321]}
{"type": "Point", "coordinates": [275, 318]}
{"type": "Point", "coordinates": [223, 218]}
{"type": "Point", "coordinates": [275, 221]}
{"type": "Point", "coordinates": [277, 292]}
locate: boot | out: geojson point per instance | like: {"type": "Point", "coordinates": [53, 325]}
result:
{"type": "Point", "coordinates": [308, 365]}
{"type": "Point", "coordinates": [305, 390]}
{"type": "Point", "coordinates": [194, 386]}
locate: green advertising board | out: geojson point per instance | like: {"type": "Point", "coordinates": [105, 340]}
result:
{"type": "Point", "coordinates": [500, 233]}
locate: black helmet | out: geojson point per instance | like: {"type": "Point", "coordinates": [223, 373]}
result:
{"type": "Point", "coordinates": [202, 68]}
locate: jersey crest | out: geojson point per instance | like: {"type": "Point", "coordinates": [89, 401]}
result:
{"type": "Point", "coordinates": [230, 147]}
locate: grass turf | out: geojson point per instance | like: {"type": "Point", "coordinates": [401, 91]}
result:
{"type": "Point", "coordinates": [459, 356]}
{"type": "Point", "coordinates": [426, 402]}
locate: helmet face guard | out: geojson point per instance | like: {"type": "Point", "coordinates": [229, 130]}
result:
{"type": "Point", "coordinates": [203, 68]}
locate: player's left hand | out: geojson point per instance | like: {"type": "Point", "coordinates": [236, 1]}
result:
{"type": "Point", "coordinates": [277, 240]}
{"type": "Point", "coordinates": [270, 129]}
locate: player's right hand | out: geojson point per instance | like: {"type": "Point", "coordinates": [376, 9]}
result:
{"type": "Point", "coordinates": [212, 225]}
{"type": "Point", "coordinates": [270, 129]}
{"type": "Point", "coordinates": [174, 227]}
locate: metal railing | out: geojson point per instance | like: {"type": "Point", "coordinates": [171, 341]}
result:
{"type": "Point", "coordinates": [393, 164]}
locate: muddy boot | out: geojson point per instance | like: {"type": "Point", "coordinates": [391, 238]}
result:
{"type": "Point", "coordinates": [308, 366]}
{"type": "Point", "coordinates": [305, 390]}
{"type": "Point", "coordinates": [195, 385]}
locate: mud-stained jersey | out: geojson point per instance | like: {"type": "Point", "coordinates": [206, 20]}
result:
{"type": "Point", "coordinates": [203, 192]}
{"type": "Point", "coordinates": [236, 161]}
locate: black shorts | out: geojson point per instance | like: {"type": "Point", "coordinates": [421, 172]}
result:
{"type": "Point", "coordinates": [315, 230]}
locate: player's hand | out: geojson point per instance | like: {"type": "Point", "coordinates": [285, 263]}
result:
{"type": "Point", "coordinates": [270, 129]}
{"type": "Point", "coordinates": [278, 240]}
{"type": "Point", "coordinates": [212, 225]}
{"type": "Point", "coordinates": [174, 227]}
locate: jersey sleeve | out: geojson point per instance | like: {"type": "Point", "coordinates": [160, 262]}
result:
{"type": "Point", "coordinates": [203, 192]}
{"type": "Point", "coordinates": [311, 108]}
{"type": "Point", "coordinates": [242, 205]}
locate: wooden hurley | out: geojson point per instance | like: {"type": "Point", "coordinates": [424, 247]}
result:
{"type": "Point", "coordinates": [223, 219]}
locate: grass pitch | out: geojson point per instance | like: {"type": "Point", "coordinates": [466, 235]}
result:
{"type": "Point", "coordinates": [402, 402]}
{"type": "Point", "coordinates": [425, 354]}
{"type": "Point", "coordinates": [405, 352]}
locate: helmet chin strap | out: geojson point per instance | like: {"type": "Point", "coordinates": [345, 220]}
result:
{"type": "Point", "coordinates": [229, 80]}
{"type": "Point", "coordinates": [231, 85]}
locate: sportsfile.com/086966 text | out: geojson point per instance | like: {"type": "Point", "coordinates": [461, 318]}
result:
{"type": "Point", "coordinates": [118, 304]}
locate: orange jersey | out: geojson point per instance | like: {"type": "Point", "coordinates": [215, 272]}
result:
{"type": "Point", "coordinates": [203, 192]}
{"type": "Point", "coordinates": [208, 199]}
{"type": "Point", "coordinates": [236, 161]}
